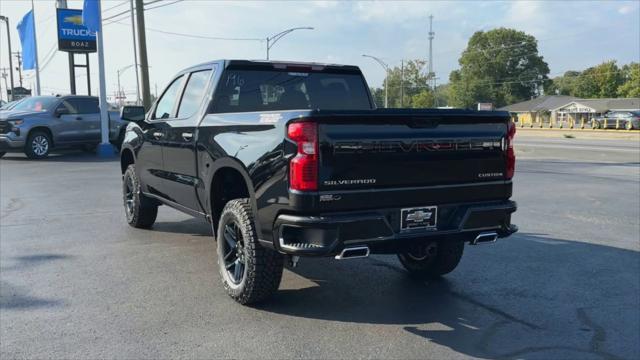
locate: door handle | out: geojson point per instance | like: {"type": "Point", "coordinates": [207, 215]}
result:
{"type": "Point", "coordinates": [158, 135]}
{"type": "Point", "coordinates": [79, 118]}
{"type": "Point", "coordinates": [187, 136]}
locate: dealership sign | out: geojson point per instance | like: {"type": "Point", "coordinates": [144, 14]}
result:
{"type": "Point", "coordinates": [72, 35]}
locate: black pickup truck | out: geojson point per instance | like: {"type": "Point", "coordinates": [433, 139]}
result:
{"type": "Point", "coordinates": [293, 159]}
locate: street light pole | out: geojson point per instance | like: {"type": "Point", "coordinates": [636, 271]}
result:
{"type": "Point", "coordinates": [271, 40]}
{"type": "Point", "coordinates": [386, 85]}
{"type": "Point", "coordinates": [6, 21]}
{"type": "Point", "coordinates": [119, 72]}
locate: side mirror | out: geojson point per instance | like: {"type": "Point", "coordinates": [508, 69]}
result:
{"type": "Point", "coordinates": [132, 113]}
{"type": "Point", "coordinates": [62, 111]}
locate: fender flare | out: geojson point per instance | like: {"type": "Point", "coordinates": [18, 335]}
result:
{"type": "Point", "coordinates": [233, 163]}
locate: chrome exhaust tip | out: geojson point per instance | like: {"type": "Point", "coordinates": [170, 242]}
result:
{"type": "Point", "coordinates": [485, 238]}
{"type": "Point", "coordinates": [353, 253]}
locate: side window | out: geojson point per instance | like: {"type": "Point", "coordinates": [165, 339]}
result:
{"type": "Point", "coordinates": [85, 105]}
{"type": "Point", "coordinates": [193, 93]}
{"type": "Point", "coordinates": [67, 104]}
{"type": "Point", "coordinates": [166, 103]}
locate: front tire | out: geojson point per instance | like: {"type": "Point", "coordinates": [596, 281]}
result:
{"type": "Point", "coordinates": [432, 259]}
{"type": "Point", "coordinates": [38, 145]}
{"type": "Point", "coordinates": [250, 273]}
{"type": "Point", "coordinates": [2, 153]}
{"type": "Point", "coordinates": [140, 210]}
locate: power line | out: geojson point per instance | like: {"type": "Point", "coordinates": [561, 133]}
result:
{"type": "Point", "coordinates": [195, 36]}
{"type": "Point", "coordinates": [125, 12]}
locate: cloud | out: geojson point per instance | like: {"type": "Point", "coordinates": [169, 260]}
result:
{"type": "Point", "coordinates": [626, 9]}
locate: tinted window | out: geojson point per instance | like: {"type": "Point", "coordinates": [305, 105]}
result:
{"type": "Point", "coordinates": [83, 106]}
{"type": "Point", "coordinates": [254, 90]}
{"type": "Point", "coordinates": [193, 93]}
{"type": "Point", "coordinates": [168, 100]}
{"type": "Point", "coordinates": [65, 104]}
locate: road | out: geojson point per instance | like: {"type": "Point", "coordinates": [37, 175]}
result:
{"type": "Point", "coordinates": [77, 282]}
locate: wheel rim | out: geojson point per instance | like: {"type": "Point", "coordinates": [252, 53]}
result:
{"type": "Point", "coordinates": [40, 145]}
{"type": "Point", "coordinates": [128, 195]}
{"type": "Point", "coordinates": [423, 252]}
{"type": "Point", "coordinates": [234, 258]}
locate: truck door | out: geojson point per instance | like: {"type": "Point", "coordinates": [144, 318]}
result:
{"type": "Point", "coordinates": [149, 161]}
{"type": "Point", "coordinates": [179, 144]}
{"type": "Point", "coordinates": [88, 118]}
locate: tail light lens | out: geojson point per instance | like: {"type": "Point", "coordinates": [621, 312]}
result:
{"type": "Point", "coordinates": [511, 154]}
{"type": "Point", "coordinates": [303, 168]}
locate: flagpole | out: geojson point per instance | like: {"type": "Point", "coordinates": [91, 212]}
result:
{"type": "Point", "coordinates": [35, 43]}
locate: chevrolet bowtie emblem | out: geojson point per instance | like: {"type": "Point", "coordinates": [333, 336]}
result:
{"type": "Point", "coordinates": [419, 216]}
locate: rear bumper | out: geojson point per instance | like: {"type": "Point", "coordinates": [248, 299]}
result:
{"type": "Point", "coordinates": [329, 234]}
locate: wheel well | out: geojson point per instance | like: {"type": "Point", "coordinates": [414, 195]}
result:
{"type": "Point", "coordinates": [44, 129]}
{"type": "Point", "coordinates": [227, 184]}
{"type": "Point", "coordinates": [126, 159]}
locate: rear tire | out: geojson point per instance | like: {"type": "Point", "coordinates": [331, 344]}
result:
{"type": "Point", "coordinates": [140, 210]}
{"type": "Point", "coordinates": [250, 273]}
{"type": "Point", "coordinates": [2, 153]}
{"type": "Point", "coordinates": [432, 259]}
{"type": "Point", "coordinates": [38, 145]}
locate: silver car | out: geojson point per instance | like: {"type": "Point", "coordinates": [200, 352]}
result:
{"type": "Point", "coordinates": [38, 124]}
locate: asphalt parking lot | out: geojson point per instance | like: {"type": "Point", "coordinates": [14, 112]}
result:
{"type": "Point", "coordinates": [77, 282]}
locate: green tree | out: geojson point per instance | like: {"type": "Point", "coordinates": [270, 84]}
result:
{"type": "Point", "coordinates": [601, 81]}
{"type": "Point", "coordinates": [501, 66]}
{"type": "Point", "coordinates": [565, 84]}
{"type": "Point", "coordinates": [416, 81]}
{"type": "Point", "coordinates": [631, 77]}
{"type": "Point", "coordinates": [423, 99]}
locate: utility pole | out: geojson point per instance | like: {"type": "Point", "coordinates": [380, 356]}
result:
{"type": "Point", "coordinates": [6, 21]}
{"type": "Point", "coordinates": [431, 36]}
{"type": "Point", "coordinates": [144, 63]}
{"type": "Point", "coordinates": [18, 55]}
{"type": "Point", "coordinates": [135, 53]}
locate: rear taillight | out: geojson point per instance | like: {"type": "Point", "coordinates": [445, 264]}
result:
{"type": "Point", "coordinates": [303, 168]}
{"type": "Point", "coordinates": [511, 154]}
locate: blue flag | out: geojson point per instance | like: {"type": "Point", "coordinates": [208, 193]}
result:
{"type": "Point", "coordinates": [91, 18]}
{"type": "Point", "coordinates": [26, 30]}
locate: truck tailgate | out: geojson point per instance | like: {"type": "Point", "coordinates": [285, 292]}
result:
{"type": "Point", "coordinates": [396, 151]}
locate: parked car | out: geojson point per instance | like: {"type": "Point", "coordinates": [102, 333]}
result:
{"type": "Point", "coordinates": [38, 124]}
{"type": "Point", "coordinates": [624, 119]}
{"type": "Point", "coordinates": [290, 160]}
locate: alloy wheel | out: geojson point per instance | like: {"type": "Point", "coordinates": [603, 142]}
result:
{"type": "Point", "coordinates": [234, 253]}
{"type": "Point", "coordinates": [129, 195]}
{"type": "Point", "coordinates": [40, 145]}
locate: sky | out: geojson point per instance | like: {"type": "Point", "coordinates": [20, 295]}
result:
{"type": "Point", "coordinates": [572, 35]}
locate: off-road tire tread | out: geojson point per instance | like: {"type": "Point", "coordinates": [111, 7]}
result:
{"type": "Point", "coordinates": [145, 210]}
{"type": "Point", "coordinates": [264, 266]}
{"type": "Point", "coordinates": [446, 260]}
